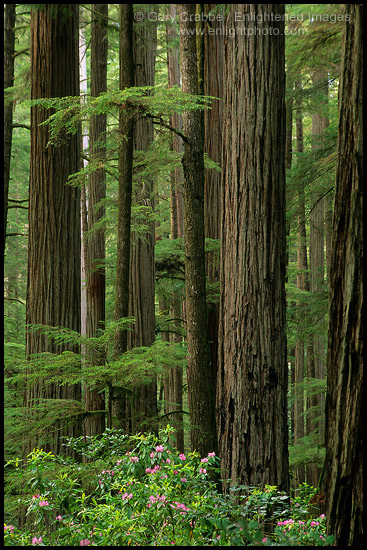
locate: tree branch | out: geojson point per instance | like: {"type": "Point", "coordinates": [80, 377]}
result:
{"type": "Point", "coordinates": [18, 200]}
{"type": "Point", "coordinates": [21, 126]}
{"type": "Point", "coordinates": [14, 300]}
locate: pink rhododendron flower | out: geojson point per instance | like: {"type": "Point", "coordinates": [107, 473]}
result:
{"type": "Point", "coordinates": [182, 456]}
{"type": "Point", "coordinates": [44, 503]}
{"type": "Point", "coordinates": [59, 518]}
{"type": "Point", "coordinates": [36, 541]}
{"type": "Point", "coordinates": [211, 454]}
{"type": "Point", "coordinates": [85, 542]}
{"type": "Point", "coordinates": [126, 496]}
{"type": "Point", "coordinates": [204, 460]}
{"type": "Point", "coordinates": [134, 459]}
{"type": "Point", "coordinates": [202, 471]}
{"type": "Point", "coordinates": [159, 448]}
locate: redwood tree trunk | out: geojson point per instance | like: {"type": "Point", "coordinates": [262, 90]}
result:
{"type": "Point", "coordinates": [142, 407]}
{"type": "Point", "coordinates": [9, 46]}
{"type": "Point", "coordinates": [199, 378]}
{"type": "Point", "coordinates": [117, 397]}
{"type": "Point", "coordinates": [316, 359]}
{"type": "Point", "coordinates": [54, 277]}
{"type": "Point", "coordinates": [213, 122]}
{"type": "Point", "coordinates": [95, 245]}
{"type": "Point", "coordinates": [252, 376]}
{"type": "Point", "coordinates": [303, 284]}
{"type": "Point", "coordinates": [175, 377]}
{"type": "Point", "coordinates": [344, 454]}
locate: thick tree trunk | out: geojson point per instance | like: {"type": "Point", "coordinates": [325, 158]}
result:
{"type": "Point", "coordinates": [252, 376]}
{"type": "Point", "coordinates": [199, 378]}
{"type": "Point", "coordinates": [95, 245]}
{"type": "Point", "coordinates": [344, 455]}
{"type": "Point", "coordinates": [9, 47]}
{"type": "Point", "coordinates": [53, 284]}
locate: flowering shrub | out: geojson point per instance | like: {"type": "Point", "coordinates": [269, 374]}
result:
{"type": "Point", "coordinates": [150, 495]}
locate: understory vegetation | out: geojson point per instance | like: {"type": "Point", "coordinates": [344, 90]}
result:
{"type": "Point", "coordinates": [138, 490]}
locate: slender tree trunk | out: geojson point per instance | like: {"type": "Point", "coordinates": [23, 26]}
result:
{"type": "Point", "coordinates": [9, 47]}
{"type": "Point", "coordinates": [53, 285]}
{"type": "Point", "coordinates": [213, 122]}
{"type": "Point", "coordinates": [303, 284]}
{"type": "Point", "coordinates": [344, 455]}
{"type": "Point", "coordinates": [94, 399]}
{"type": "Point", "coordinates": [199, 379]}
{"type": "Point", "coordinates": [142, 408]}
{"type": "Point", "coordinates": [316, 361]}
{"type": "Point", "coordinates": [253, 375]}
{"type": "Point", "coordinates": [176, 373]}
{"type": "Point", "coordinates": [117, 396]}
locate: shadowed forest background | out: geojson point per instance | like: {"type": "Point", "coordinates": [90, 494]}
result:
{"type": "Point", "coordinates": [183, 273]}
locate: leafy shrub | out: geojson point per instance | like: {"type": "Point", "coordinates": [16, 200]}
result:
{"type": "Point", "coordinates": [140, 491]}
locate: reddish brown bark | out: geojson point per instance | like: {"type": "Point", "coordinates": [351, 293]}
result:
{"type": "Point", "coordinates": [95, 245]}
{"type": "Point", "coordinates": [199, 378]}
{"type": "Point", "coordinates": [252, 376]}
{"type": "Point", "coordinates": [53, 284]}
{"type": "Point", "coordinates": [344, 454]}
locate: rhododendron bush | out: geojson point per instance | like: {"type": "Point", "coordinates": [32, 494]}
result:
{"type": "Point", "coordinates": [140, 491]}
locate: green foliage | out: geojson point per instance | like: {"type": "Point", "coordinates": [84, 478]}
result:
{"type": "Point", "coordinates": [144, 101]}
{"type": "Point", "coordinates": [137, 366]}
{"type": "Point", "coordinates": [139, 490]}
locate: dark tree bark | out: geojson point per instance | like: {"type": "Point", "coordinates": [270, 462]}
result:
{"type": "Point", "coordinates": [303, 284]}
{"type": "Point", "coordinates": [9, 48]}
{"type": "Point", "coordinates": [117, 398]}
{"type": "Point", "coordinates": [54, 278]}
{"type": "Point", "coordinates": [142, 407]}
{"type": "Point", "coordinates": [316, 355]}
{"type": "Point", "coordinates": [199, 376]}
{"type": "Point", "coordinates": [344, 455]}
{"type": "Point", "coordinates": [252, 375]}
{"type": "Point", "coordinates": [125, 177]}
{"type": "Point", "coordinates": [175, 377]}
{"type": "Point", "coordinates": [95, 245]}
{"type": "Point", "coordinates": [213, 86]}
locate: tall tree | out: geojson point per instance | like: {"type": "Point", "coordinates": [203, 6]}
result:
{"type": "Point", "coordinates": [316, 357]}
{"type": "Point", "coordinates": [199, 376]}
{"type": "Point", "coordinates": [213, 59]}
{"type": "Point", "coordinates": [302, 284]}
{"type": "Point", "coordinates": [95, 245]}
{"type": "Point", "coordinates": [252, 376]}
{"type": "Point", "coordinates": [126, 151]}
{"type": "Point", "coordinates": [9, 49]}
{"type": "Point", "coordinates": [53, 284]}
{"type": "Point", "coordinates": [142, 406]}
{"type": "Point", "coordinates": [344, 455]}
{"type": "Point", "coordinates": [174, 381]}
